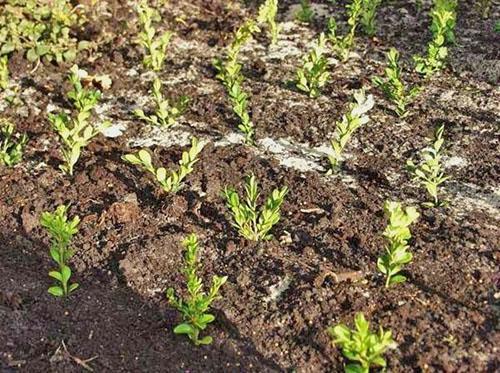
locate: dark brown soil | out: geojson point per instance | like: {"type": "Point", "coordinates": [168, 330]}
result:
{"type": "Point", "coordinates": [325, 247]}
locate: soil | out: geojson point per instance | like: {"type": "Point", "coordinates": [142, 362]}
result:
{"type": "Point", "coordinates": [320, 267]}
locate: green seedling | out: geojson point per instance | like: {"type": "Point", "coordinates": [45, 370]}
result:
{"type": "Point", "coordinates": [62, 231]}
{"type": "Point", "coordinates": [165, 114]}
{"type": "Point", "coordinates": [267, 15]}
{"type": "Point", "coordinates": [397, 235]}
{"type": "Point", "coordinates": [362, 346]}
{"type": "Point", "coordinates": [229, 73]}
{"type": "Point", "coordinates": [195, 306]}
{"type": "Point", "coordinates": [4, 72]}
{"type": "Point", "coordinates": [170, 181]}
{"type": "Point", "coordinates": [439, 7]}
{"type": "Point", "coordinates": [368, 15]}
{"type": "Point", "coordinates": [155, 46]}
{"type": "Point", "coordinates": [77, 131]}
{"type": "Point", "coordinates": [344, 129]}
{"type": "Point", "coordinates": [436, 50]}
{"type": "Point", "coordinates": [11, 146]}
{"type": "Point", "coordinates": [313, 74]}
{"type": "Point", "coordinates": [253, 223]}
{"type": "Point", "coordinates": [393, 85]}
{"type": "Point", "coordinates": [429, 172]}
{"type": "Point", "coordinates": [305, 14]}
{"type": "Point", "coordinates": [342, 45]}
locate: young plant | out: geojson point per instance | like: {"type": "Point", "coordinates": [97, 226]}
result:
{"type": "Point", "coordinates": [194, 308]}
{"type": "Point", "coordinates": [62, 231]}
{"type": "Point", "coordinates": [77, 132]}
{"type": "Point", "coordinates": [441, 6]}
{"type": "Point", "coordinates": [342, 45]}
{"type": "Point", "coordinates": [229, 72]}
{"type": "Point", "coordinates": [361, 345]}
{"type": "Point", "coordinates": [11, 146]}
{"type": "Point", "coordinates": [312, 76]}
{"type": "Point", "coordinates": [368, 15]}
{"type": "Point", "coordinates": [393, 86]}
{"type": "Point", "coordinates": [436, 50]}
{"type": "Point", "coordinates": [252, 223]}
{"type": "Point", "coordinates": [170, 181]}
{"type": "Point", "coordinates": [397, 235]}
{"type": "Point", "coordinates": [4, 72]}
{"type": "Point", "coordinates": [305, 14]}
{"type": "Point", "coordinates": [267, 14]}
{"type": "Point", "coordinates": [429, 172]}
{"type": "Point", "coordinates": [355, 118]}
{"type": "Point", "coordinates": [165, 115]}
{"type": "Point", "coordinates": [155, 46]}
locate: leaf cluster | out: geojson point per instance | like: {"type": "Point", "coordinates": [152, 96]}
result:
{"type": "Point", "coordinates": [342, 44]}
{"type": "Point", "coordinates": [351, 121]}
{"type": "Point", "coordinates": [267, 14]}
{"type": "Point", "coordinates": [11, 146]}
{"type": "Point", "coordinates": [393, 85]}
{"type": "Point", "coordinates": [361, 345]}
{"type": "Point", "coordinates": [429, 172]}
{"type": "Point", "coordinates": [305, 14]}
{"type": "Point", "coordinates": [439, 7]}
{"type": "Point", "coordinates": [61, 231]}
{"type": "Point", "coordinates": [368, 15]}
{"type": "Point", "coordinates": [170, 181]}
{"type": "Point", "coordinates": [253, 223]}
{"type": "Point", "coordinates": [165, 114]}
{"type": "Point", "coordinates": [195, 305]}
{"type": "Point", "coordinates": [4, 72]}
{"type": "Point", "coordinates": [397, 234]}
{"type": "Point", "coordinates": [313, 74]}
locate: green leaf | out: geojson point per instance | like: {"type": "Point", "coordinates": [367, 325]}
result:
{"type": "Point", "coordinates": [205, 340]}
{"type": "Point", "coordinates": [184, 329]}
{"type": "Point", "coordinates": [56, 275]}
{"type": "Point", "coordinates": [56, 291]}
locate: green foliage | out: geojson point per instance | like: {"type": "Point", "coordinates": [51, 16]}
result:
{"type": "Point", "coordinates": [393, 86]}
{"type": "Point", "coordinates": [441, 6]}
{"type": "Point", "coordinates": [229, 72]}
{"type": "Point", "coordinates": [342, 45]}
{"type": "Point", "coordinates": [4, 72]}
{"type": "Point", "coordinates": [484, 7]}
{"type": "Point", "coordinates": [397, 234]}
{"type": "Point", "coordinates": [252, 223]}
{"type": "Point", "coordinates": [355, 117]}
{"type": "Point", "coordinates": [11, 146]}
{"type": "Point", "coordinates": [165, 115]}
{"type": "Point", "coordinates": [305, 13]}
{"type": "Point", "coordinates": [312, 76]}
{"type": "Point", "coordinates": [61, 231]}
{"type": "Point", "coordinates": [267, 14]}
{"type": "Point", "coordinates": [172, 182]}
{"type": "Point", "coordinates": [361, 345]}
{"type": "Point", "coordinates": [41, 29]}
{"type": "Point", "coordinates": [77, 131]}
{"type": "Point", "coordinates": [429, 172]}
{"type": "Point", "coordinates": [436, 50]}
{"type": "Point", "coordinates": [368, 15]}
{"type": "Point", "coordinates": [155, 46]}
{"type": "Point", "coordinates": [194, 308]}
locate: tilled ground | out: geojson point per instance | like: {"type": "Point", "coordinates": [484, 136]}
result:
{"type": "Point", "coordinates": [319, 269]}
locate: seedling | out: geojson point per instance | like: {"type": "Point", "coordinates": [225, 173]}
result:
{"type": "Point", "coordinates": [195, 306]}
{"type": "Point", "coordinates": [155, 46]}
{"type": "Point", "coordinates": [174, 181]}
{"type": "Point", "coordinates": [4, 72]}
{"type": "Point", "coordinates": [165, 115]}
{"type": "Point", "coordinates": [361, 345]}
{"type": "Point", "coordinates": [436, 50]}
{"type": "Point", "coordinates": [368, 15]}
{"type": "Point", "coordinates": [11, 146]}
{"type": "Point", "coordinates": [305, 13]}
{"type": "Point", "coordinates": [429, 172]}
{"type": "Point", "coordinates": [312, 76]}
{"type": "Point", "coordinates": [252, 223]}
{"type": "Point", "coordinates": [397, 235]}
{"type": "Point", "coordinates": [393, 86]}
{"type": "Point", "coordinates": [77, 132]}
{"type": "Point", "coordinates": [267, 14]}
{"type": "Point", "coordinates": [355, 118]}
{"type": "Point", "coordinates": [441, 6]}
{"type": "Point", "coordinates": [62, 231]}
{"type": "Point", "coordinates": [342, 45]}
{"type": "Point", "coordinates": [229, 72]}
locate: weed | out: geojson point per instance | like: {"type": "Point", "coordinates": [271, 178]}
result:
{"type": "Point", "coordinates": [312, 76]}
{"type": "Point", "coordinates": [11, 146]}
{"type": "Point", "coordinates": [342, 45]}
